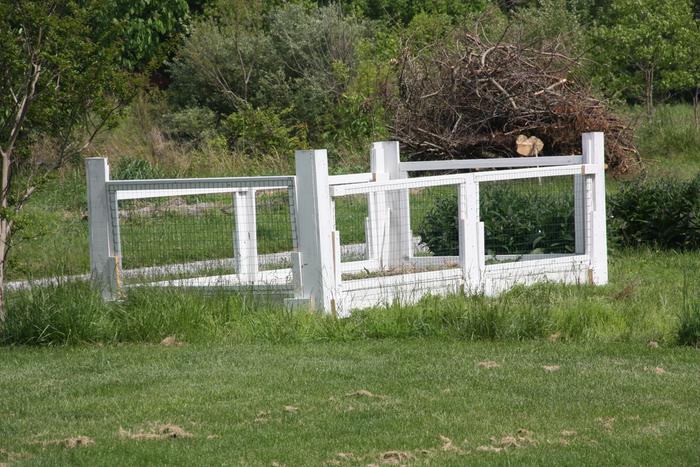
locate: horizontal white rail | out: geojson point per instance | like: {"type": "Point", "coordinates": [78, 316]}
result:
{"type": "Point", "coordinates": [401, 184]}
{"type": "Point", "coordinates": [350, 178]}
{"type": "Point", "coordinates": [509, 162]}
{"type": "Point", "coordinates": [134, 189]}
{"type": "Point", "coordinates": [581, 169]}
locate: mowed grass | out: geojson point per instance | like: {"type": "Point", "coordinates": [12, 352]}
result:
{"type": "Point", "coordinates": [306, 404]}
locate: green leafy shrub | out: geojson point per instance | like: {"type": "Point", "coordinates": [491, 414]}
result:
{"type": "Point", "coordinates": [516, 221]}
{"type": "Point", "coordinates": [191, 123]}
{"type": "Point", "coordinates": [263, 130]}
{"type": "Point", "coordinates": [660, 212]}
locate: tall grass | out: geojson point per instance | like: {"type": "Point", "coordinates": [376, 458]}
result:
{"type": "Point", "coordinates": [74, 313]}
{"type": "Point", "coordinates": [671, 142]}
{"type": "Point", "coordinates": [689, 318]}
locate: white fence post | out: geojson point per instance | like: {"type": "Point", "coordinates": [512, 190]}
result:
{"type": "Point", "coordinates": [104, 266]}
{"type": "Point", "coordinates": [400, 235]}
{"type": "Point", "coordinates": [378, 210]}
{"type": "Point", "coordinates": [470, 236]}
{"type": "Point", "coordinates": [314, 227]}
{"type": "Point", "coordinates": [596, 246]}
{"type": "Point", "coordinates": [245, 236]}
{"type": "Point", "coordinates": [580, 214]}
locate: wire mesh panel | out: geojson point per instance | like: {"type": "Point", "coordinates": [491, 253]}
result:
{"type": "Point", "coordinates": [524, 219]}
{"type": "Point", "coordinates": [205, 232]}
{"type": "Point", "coordinates": [275, 229]}
{"type": "Point", "coordinates": [434, 221]}
{"type": "Point", "coordinates": [352, 222]}
{"type": "Point", "coordinates": [176, 231]}
{"type": "Point", "coordinates": [397, 230]}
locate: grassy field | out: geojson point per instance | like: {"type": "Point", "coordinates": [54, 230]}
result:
{"type": "Point", "coordinates": [550, 374]}
{"type": "Point", "coordinates": [419, 401]}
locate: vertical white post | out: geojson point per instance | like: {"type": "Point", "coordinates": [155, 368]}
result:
{"type": "Point", "coordinates": [378, 209]}
{"type": "Point", "coordinates": [470, 236]}
{"type": "Point", "coordinates": [314, 226]}
{"type": "Point", "coordinates": [245, 235]}
{"type": "Point", "coordinates": [400, 236]}
{"type": "Point", "coordinates": [596, 242]}
{"type": "Point", "coordinates": [104, 267]}
{"type": "Point", "coordinates": [580, 214]}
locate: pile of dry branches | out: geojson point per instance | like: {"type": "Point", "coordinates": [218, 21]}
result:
{"type": "Point", "coordinates": [471, 97]}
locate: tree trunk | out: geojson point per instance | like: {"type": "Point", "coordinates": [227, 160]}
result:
{"type": "Point", "coordinates": [4, 226]}
{"type": "Point", "coordinates": [649, 94]}
{"type": "Point", "coordinates": [696, 97]}
{"type": "Point", "coordinates": [4, 239]}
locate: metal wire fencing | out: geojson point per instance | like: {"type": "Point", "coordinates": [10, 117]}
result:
{"type": "Point", "coordinates": [233, 232]}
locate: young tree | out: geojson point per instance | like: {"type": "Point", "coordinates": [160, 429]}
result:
{"type": "Point", "coordinates": [642, 43]}
{"type": "Point", "coordinates": [60, 84]}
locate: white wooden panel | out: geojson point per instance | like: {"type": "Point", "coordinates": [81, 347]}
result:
{"type": "Point", "coordinates": [350, 178]}
{"type": "Point", "coordinates": [501, 163]}
{"type": "Point", "coordinates": [404, 289]}
{"type": "Point", "coordinates": [245, 235]}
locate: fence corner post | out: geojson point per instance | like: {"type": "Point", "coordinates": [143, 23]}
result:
{"type": "Point", "coordinates": [470, 236]}
{"type": "Point", "coordinates": [104, 266]}
{"type": "Point", "coordinates": [314, 227]}
{"type": "Point", "coordinates": [400, 236]}
{"type": "Point", "coordinates": [245, 236]}
{"type": "Point", "coordinates": [593, 145]}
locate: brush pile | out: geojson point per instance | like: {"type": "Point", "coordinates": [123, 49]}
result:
{"type": "Point", "coordinates": [470, 97]}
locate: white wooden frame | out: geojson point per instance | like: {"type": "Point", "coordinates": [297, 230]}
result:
{"type": "Point", "coordinates": [105, 243]}
{"type": "Point", "coordinates": [317, 269]}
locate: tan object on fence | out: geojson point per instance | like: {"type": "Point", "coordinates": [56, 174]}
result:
{"type": "Point", "coordinates": [531, 146]}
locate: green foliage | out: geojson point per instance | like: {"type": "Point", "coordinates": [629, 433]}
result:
{"type": "Point", "coordinates": [405, 10]}
{"type": "Point", "coordinates": [516, 221]}
{"type": "Point", "coordinates": [645, 46]}
{"type": "Point", "coordinates": [302, 59]}
{"type": "Point", "coordinates": [263, 130]}
{"type": "Point", "coordinates": [661, 212]}
{"type": "Point", "coordinates": [191, 123]}
{"type": "Point", "coordinates": [144, 30]}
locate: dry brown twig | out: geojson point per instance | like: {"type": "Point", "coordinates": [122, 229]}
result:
{"type": "Point", "coordinates": [471, 97]}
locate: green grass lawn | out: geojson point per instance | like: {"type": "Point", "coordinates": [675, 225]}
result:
{"type": "Point", "coordinates": [307, 404]}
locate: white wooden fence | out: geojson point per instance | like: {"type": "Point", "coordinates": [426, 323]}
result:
{"type": "Point", "coordinates": [393, 265]}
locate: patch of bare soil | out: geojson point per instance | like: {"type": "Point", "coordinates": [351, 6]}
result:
{"type": "Point", "coordinates": [606, 422]}
{"type": "Point", "coordinates": [171, 341]}
{"type": "Point", "coordinates": [653, 345]}
{"type": "Point", "coordinates": [551, 368]}
{"type": "Point", "coordinates": [486, 448]}
{"type": "Point", "coordinates": [213, 437]}
{"type": "Point", "coordinates": [342, 458]}
{"type": "Point", "coordinates": [522, 438]}
{"type": "Point", "coordinates": [155, 432]}
{"type": "Point", "coordinates": [262, 416]}
{"type": "Point", "coordinates": [554, 337]}
{"type": "Point", "coordinates": [568, 433]}
{"type": "Point", "coordinates": [70, 443]}
{"type": "Point", "coordinates": [448, 445]}
{"type": "Point", "coordinates": [394, 457]}
{"type": "Point", "coordinates": [657, 370]}
{"type": "Point", "coordinates": [488, 364]}
{"type": "Point", "coordinates": [363, 393]}
{"type": "Point", "coordinates": [291, 409]}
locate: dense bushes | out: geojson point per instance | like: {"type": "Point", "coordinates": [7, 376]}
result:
{"type": "Point", "coordinates": [271, 82]}
{"type": "Point", "coordinates": [662, 213]}
{"type": "Point", "coordinates": [517, 220]}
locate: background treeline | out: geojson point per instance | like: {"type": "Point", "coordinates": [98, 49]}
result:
{"type": "Point", "coordinates": [269, 76]}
